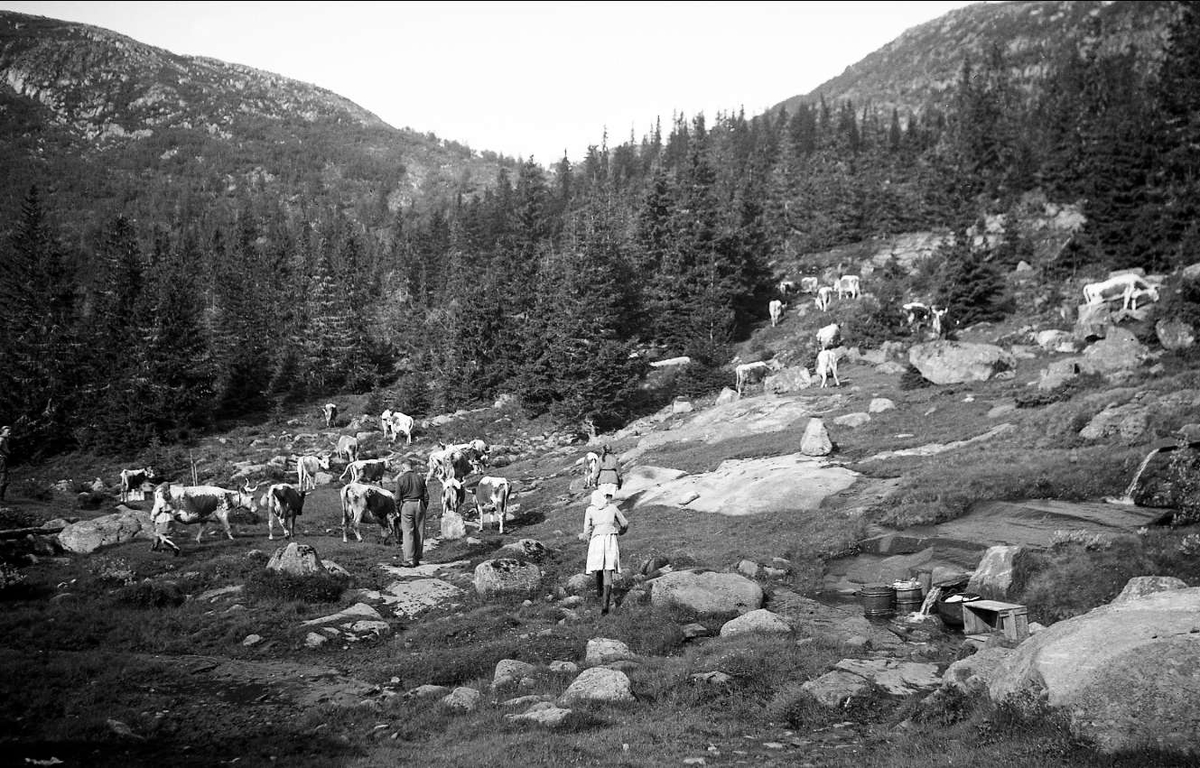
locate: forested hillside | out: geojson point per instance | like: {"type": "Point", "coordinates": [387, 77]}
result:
{"type": "Point", "coordinates": [542, 284]}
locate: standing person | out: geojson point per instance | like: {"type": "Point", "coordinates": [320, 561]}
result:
{"type": "Point", "coordinates": [610, 471]}
{"type": "Point", "coordinates": [602, 524]}
{"type": "Point", "coordinates": [413, 496]}
{"type": "Point", "coordinates": [5, 431]}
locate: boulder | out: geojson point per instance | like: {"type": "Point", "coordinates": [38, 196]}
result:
{"type": "Point", "coordinates": [1128, 422]}
{"type": "Point", "coordinates": [880, 404]}
{"type": "Point", "coordinates": [1119, 351]}
{"type": "Point", "coordinates": [1140, 586]}
{"type": "Point", "coordinates": [1175, 335]}
{"type": "Point", "coordinates": [87, 536]}
{"type": "Point", "coordinates": [296, 560]}
{"type": "Point", "coordinates": [603, 650]}
{"type": "Point", "coordinates": [510, 672]}
{"type": "Point", "coordinates": [1093, 321]}
{"type": "Point", "coordinates": [726, 396]}
{"type": "Point", "coordinates": [993, 577]}
{"type": "Point", "coordinates": [1058, 341]}
{"type": "Point", "coordinates": [506, 575]}
{"type": "Point", "coordinates": [600, 685]}
{"type": "Point", "coordinates": [816, 440]}
{"type": "Point", "coordinates": [955, 362]}
{"type": "Point", "coordinates": [788, 380]}
{"type": "Point", "coordinates": [852, 420]}
{"type": "Point", "coordinates": [707, 593]}
{"type": "Point", "coordinates": [1058, 373]}
{"type": "Point", "coordinates": [756, 622]}
{"type": "Point", "coordinates": [530, 550]}
{"type": "Point", "coordinates": [453, 526]}
{"type": "Point", "coordinates": [546, 715]}
{"type": "Point", "coordinates": [1128, 673]}
{"type": "Point", "coordinates": [463, 699]}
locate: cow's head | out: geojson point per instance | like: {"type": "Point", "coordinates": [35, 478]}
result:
{"type": "Point", "coordinates": [246, 496]}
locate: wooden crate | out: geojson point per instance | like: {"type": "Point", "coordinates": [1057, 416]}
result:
{"type": "Point", "coordinates": [984, 616]}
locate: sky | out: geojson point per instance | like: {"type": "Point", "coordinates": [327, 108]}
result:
{"type": "Point", "coordinates": [526, 79]}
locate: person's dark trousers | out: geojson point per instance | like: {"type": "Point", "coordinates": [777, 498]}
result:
{"type": "Point", "coordinates": [412, 531]}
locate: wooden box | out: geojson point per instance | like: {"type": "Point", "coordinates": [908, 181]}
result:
{"type": "Point", "coordinates": [984, 616]}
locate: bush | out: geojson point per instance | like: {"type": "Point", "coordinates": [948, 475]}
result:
{"type": "Point", "coordinates": [152, 594]}
{"type": "Point", "coordinates": [313, 588]}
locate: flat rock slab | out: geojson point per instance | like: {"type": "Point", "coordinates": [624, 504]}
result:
{"type": "Point", "coordinates": [1032, 523]}
{"type": "Point", "coordinates": [899, 678]}
{"type": "Point", "coordinates": [413, 596]}
{"type": "Point", "coordinates": [304, 685]}
{"type": "Point", "coordinates": [423, 571]}
{"type": "Point", "coordinates": [752, 486]}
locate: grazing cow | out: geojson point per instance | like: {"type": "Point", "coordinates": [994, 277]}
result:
{"type": "Point", "coordinates": [190, 504]}
{"type": "Point", "coordinates": [369, 502]}
{"type": "Point", "coordinates": [458, 460]}
{"type": "Point", "coordinates": [400, 424]}
{"type": "Point", "coordinates": [330, 410]}
{"type": "Point", "coordinates": [776, 308]}
{"type": "Point", "coordinates": [284, 503]}
{"type": "Point", "coordinates": [809, 284]}
{"type": "Point", "coordinates": [135, 479]}
{"type": "Point", "coordinates": [492, 492]}
{"type": "Point", "coordinates": [747, 374]}
{"type": "Point", "coordinates": [591, 469]}
{"type": "Point", "coordinates": [1131, 288]}
{"type": "Point", "coordinates": [847, 285]}
{"type": "Point", "coordinates": [347, 448]}
{"type": "Point", "coordinates": [827, 366]}
{"type": "Point", "coordinates": [787, 288]}
{"type": "Point", "coordinates": [368, 470]}
{"type": "Point", "coordinates": [824, 298]}
{"type": "Point", "coordinates": [829, 336]}
{"type": "Point", "coordinates": [306, 470]}
{"type": "Point", "coordinates": [453, 494]}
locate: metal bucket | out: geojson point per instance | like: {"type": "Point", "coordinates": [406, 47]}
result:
{"type": "Point", "coordinates": [878, 600]}
{"type": "Point", "coordinates": [909, 596]}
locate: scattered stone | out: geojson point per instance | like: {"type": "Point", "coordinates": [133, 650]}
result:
{"type": "Point", "coordinates": [716, 677]}
{"type": "Point", "coordinates": [706, 593]}
{"type": "Point", "coordinates": [603, 650]}
{"type": "Point", "coordinates": [880, 404]}
{"type": "Point", "coordinates": [760, 621]}
{"type": "Point", "coordinates": [510, 672]}
{"type": "Point", "coordinates": [600, 685]}
{"type": "Point", "coordinates": [548, 717]}
{"type": "Point", "coordinates": [296, 560]}
{"type": "Point", "coordinates": [564, 667]}
{"type": "Point", "coordinates": [1175, 335]}
{"type": "Point", "coordinates": [816, 440]}
{"type": "Point", "coordinates": [453, 526]}
{"type": "Point", "coordinates": [530, 550]}
{"type": "Point", "coordinates": [463, 699]}
{"type": "Point", "coordinates": [1140, 586]}
{"type": "Point", "coordinates": [428, 692]}
{"type": "Point", "coordinates": [506, 576]}
{"type": "Point", "coordinates": [993, 577]}
{"type": "Point", "coordinates": [252, 640]}
{"type": "Point", "coordinates": [956, 362]}
{"type": "Point", "coordinates": [314, 640]}
{"type": "Point", "coordinates": [86, 536]}
{"type": "Point", "coordinates": [694, 630]}
{"type": "Point", "coordinates": [353, 613]}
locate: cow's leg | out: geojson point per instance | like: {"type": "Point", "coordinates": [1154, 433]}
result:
{"type": "Point", "coordinates": [201, 525]}
{"type": "Point", "coordinates": [223, 516]}
{"type": "Point", "coordinates": [836, 383]}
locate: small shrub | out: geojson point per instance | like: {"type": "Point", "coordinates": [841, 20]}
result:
{"type": "Point", "coordinates": [796, 708]}
{"type": "Point", "coordinates": [912, 379]}
{"type": "Point", "coordinates": [313, 588]}
{"type": "Point", "coordinates": [152, 594]}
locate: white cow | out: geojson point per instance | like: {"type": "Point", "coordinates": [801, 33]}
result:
{"type": "Point", "coordinates": [347, 447]}
{"type": "Point", "coordinates": [848, 285]}
{"type": "Point", "coordinates": [747, 374]}
{"type": "Point", "coordinates": [787, 288]}
{"type": "Point", "coordinates": [591, 469]}
{"type": "Point", "coordinates": [190, 504]}
{"type": "Point", "coordinates": [400, 424]}
{"type": "Point", "coordinates": [939, 324]}
{"type": "Point", "coordinates": [492, 492]}
{"type": "Point", "coordinates": [1131, 287]}
{"type": "Point", "coordinates": [385, 422]}
{"type": "Point", "coordinates": [367, 470]}
{"type": "Point", "coordinates": [824, 298]}
{"type": "Point", "coordinates": [776, 308]}
{"type": "Point", "coordinates": [827, 366]}
{"type": "Point", "coordinates": [306, 470]}
{"type": "Point", "coordinates": [453, 494]}
{"type": "Point", "coordinates": [829, 336]}
{"type": "Point", "coordinates": [809, 284]}
{"type": "Point", "coordinates": [330, 411]}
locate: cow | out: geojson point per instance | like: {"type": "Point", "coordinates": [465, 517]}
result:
{"type": "Point", "coordinates": [135, 479]}
{"type": "Point", "coordinates": [747, 374]}
{"type": "Point", "coordinates": [776, 308]}
{"type": "Point", "coordinates": [457, 460]}
{"type": "Point", "coordinates": [284, 503]}
{"type": "Point", "coordinates": [1131, 287]}
{"type": "Point", "coordinates": [492, 492]}
{"type": "Point", "coordinates": [330, 411]}
{"type": "Point", "coordinates": [369, 502]}
{"type": "Point", "coordinates": [939, 324]}
{"type": "Point", "coordinates": [385, 422]}
{"type": "Point", "coordinates": [916, 314]}
{"type": "Point", "coordinates": [368, 470]}
{"type": "Point", "coordinates": [347, 448]}
{"type": "Point", "coordinates": [848, 285]}
{"type": "Point", "coordinates": [453, 494]}
{"type": "Point", "coordinates": [306, 470]}
{"type": "Point", "coordinates": [809, 284]}
{"type": "Point", "coordinates": [190, 504]}
{"type": "Point", "coordinates": [400, 423]}
{"type": "Point", "coordinates": [827, 366]}
{"type": "Point", "coordinates": [591, 469]}
{"type": "Point", "coordinates": [824, 298]}
{"type": "Point", "coordinates": [787, 288]}
{"type": "Point", "coordinates": [829, 336]}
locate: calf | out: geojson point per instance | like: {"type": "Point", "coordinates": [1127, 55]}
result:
{"type": "Point", "coordinates": [1130, 288]}
{"type": "Point", "coordinates": [347, 448]}
{"type": "Point", "coordinates": [371, 470]}
{"type": "Point", "coordinates": [827, 365]}
{"type": "Point", "coordinates": [135, 479]}
{"type": "Point", "coordinates": [824, 298]}
{"type": "Point", "coordinates": [453, 495]}
{"type": "Point", "coordinates": [306, 470]}
{"type": "Point", "coordinates": [747, 374]}
{"type": "Point", "coordinates": [591, 469]}
{"type": "Point", "coordinates": [198, 504]}
{"type": "Point", "coordinates": [492, 492]}
{"type": "Point", "coordinates": [330, 411]}
{"type": "Point", "coordinates": [776, 308]}
{"type": "Point", "coordinates": [284, 503]}
{"type": "Point", "coordinates": [368, 502]}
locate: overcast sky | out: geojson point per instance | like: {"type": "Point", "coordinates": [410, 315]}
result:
{"type": "Point", "coordinates": [526, 79]}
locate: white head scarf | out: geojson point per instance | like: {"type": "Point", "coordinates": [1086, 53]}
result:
{"type": "Point", "coordinates": [599, 498]}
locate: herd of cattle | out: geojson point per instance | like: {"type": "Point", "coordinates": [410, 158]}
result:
{"type": "Point", "coordinates": [363, 496]}
{"type": "Point", "coordinates": [1128, 286]}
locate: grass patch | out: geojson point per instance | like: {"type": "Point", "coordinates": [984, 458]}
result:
{"type": "Point", "coordinates": [310, 588]}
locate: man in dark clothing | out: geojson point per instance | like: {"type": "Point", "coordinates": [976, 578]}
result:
{"type": "Point", "coordinates": [413, 497]}
{"type": "Point", "coordinates": [4, 451]}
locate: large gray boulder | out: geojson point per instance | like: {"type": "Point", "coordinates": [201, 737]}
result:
{"type": "Point", "coordinates": [1118, 351]}
{"type": "Point", "coordinates": [86, 536]}
{"type": "Point", "coordinates": [296, 560]}
{"type": "Point", "coordinates": [1175, 335]}
{"type": "Point", "coordinates": [1127, 673]}
{"type": "Point", "coordinates": [815, 441]}
{"type": "Point", "coordinates": [788, 380]}
{"type": "Point", "coordinates": [756, 622]}
{"type": "Point", "coordinates": [1128, 422]}
{"type": "Point", "coordinates": [506, 575]}
{"type": "Point", "coordinates": [993, 578]}
{"type": "Point", "coordinates": [956, 362]}
{"type": "Point", "coordinates": [707, 593]}
{"type": "Point", "coordinates": [600, 685]}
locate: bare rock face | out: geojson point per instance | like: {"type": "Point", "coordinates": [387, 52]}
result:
{"type": "Point", "coordinates": [1128, 673]}
{"type": "Point", "coordinates": [956, 362]}
{"type": "Point", "coordinates": [506, 575]}
{"type": "Point", "coordinates": [707, 593]}
{"type": "Point", "coordinates": [87, 536]}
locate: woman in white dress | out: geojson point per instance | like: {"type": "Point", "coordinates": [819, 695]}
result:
{"type": "Point", "coordinates": [602, 524]}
